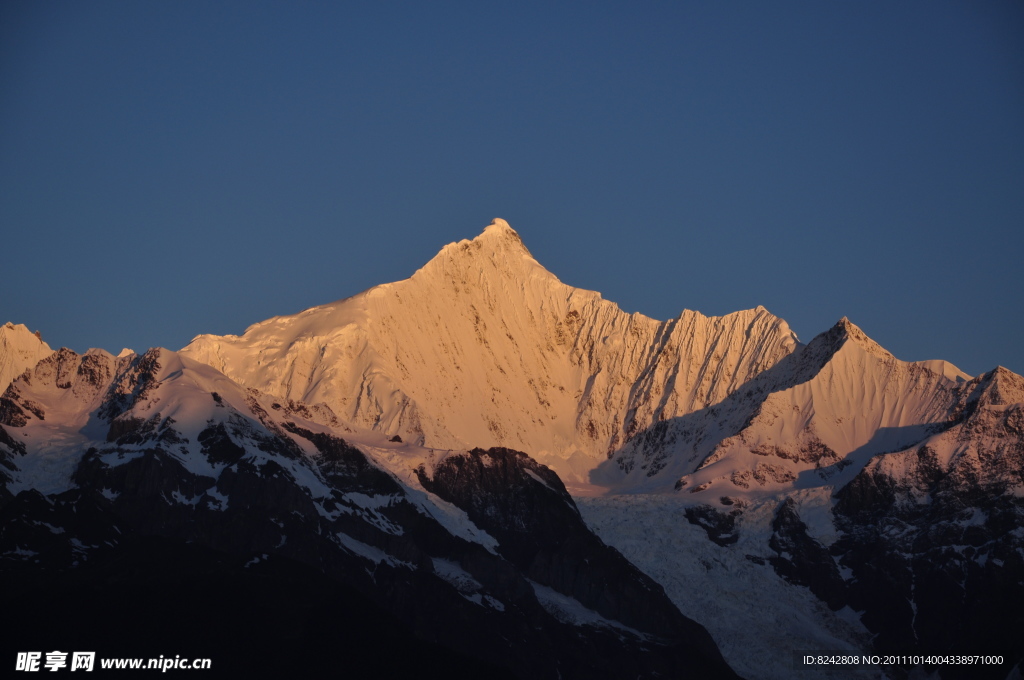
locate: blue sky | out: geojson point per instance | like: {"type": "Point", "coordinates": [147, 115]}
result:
{"type": "Point", "coordinates": [176, 168]}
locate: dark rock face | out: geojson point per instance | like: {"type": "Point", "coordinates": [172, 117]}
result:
{"type": "Point", "coordinates": [13, 446]}
{"type": "Point", "coordinates": [15, 410]}
{"type": "Point", "coordinates": [59, 532]}
{"type": "Point", "coordinates": [813, 451]}
{"type": "Point", "coordinates": [803, 561]}
{"type": "Point", "coordinates": [131, 385]}
{"type": "Point", "coordinates": [218, 446]}
{"type": "Point", "coordinates": [506, 492]}
{"type": "Point", "coordinates": [525, 506]}
{"type": "Point", "coordinates": [346, 466]}
{"type": "Point", "coordinates": [720, 526]}
{"type": "Point", "coordinates": [946, 576]}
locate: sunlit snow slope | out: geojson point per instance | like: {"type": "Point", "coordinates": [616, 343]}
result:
{"type": "Point", "coordinates": [814, 419]}
{"type": "Point", "coordinates": [20, 349]}
{"type": "Point", "coordinates": [485, 347]}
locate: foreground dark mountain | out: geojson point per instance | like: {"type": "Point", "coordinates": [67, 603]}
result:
{"type": "Point", "coordinates": [168, 497]}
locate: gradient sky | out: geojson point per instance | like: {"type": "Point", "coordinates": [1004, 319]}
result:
{"type": "Point", "coordinates": [176, 168]}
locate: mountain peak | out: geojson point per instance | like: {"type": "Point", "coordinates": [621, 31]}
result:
{"type": "Point", "coordinates": [498, 234]}
{"type": "Point", "coordinates": [499, 225]}
{"type": "Point", "coordinates": [1001, 386]}
{"type": "Point", "coordinates": [498, 246]}
{"type": "Point", "coordinates": [824, 346]}
{"type": "Point", "coordinates": [845, 330]}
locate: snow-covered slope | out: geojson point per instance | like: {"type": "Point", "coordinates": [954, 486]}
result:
{"type": "Point", "coordinates": [826, 407]}
{"type": "Point", "coordinates": [484, 347]}
{"type": "Point", "coordinates": [757, 618]}
{"type": "Point", "coordinates": [814, 421]}
{"type": "Point", "coordinates": [19, 349]}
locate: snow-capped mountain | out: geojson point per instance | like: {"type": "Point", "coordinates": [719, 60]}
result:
{"type": "Point", "coordinates": [484, 347]}
{"type": "Point", "coordinates": [788, 497]}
